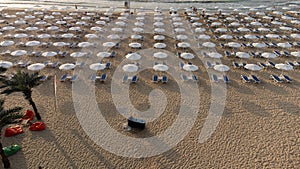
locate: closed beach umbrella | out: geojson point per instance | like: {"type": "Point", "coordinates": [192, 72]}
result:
{"type": "Point", "coordinates": [221, 68]}
{"type": "Point", "coordinates": [36, 66]}
{"type": "Point", "coordinates": [49, 54]}
{"type": "Point", "coordinates": [160, 55]}
{"type": "Point", "coordinates": [103, 54]}
{"type": "Point", "coordinates": [67, 66]}
{"type": "Point", "coordinates": [186, 55]}
{"type": "Point", "coordinates": [7, 43]}
{"type": "Point", "coordinates": [283, 66]}
{"type": "Point", "coordinates": [243, 55]}
{"type": "Point", "coordinates": [130, 68]}
{"type": "Point", "coordinates": [133, 56]}
{"type": "Point", "coordinates": [252, 67]}
{"type": "Point", "coordinates": [18, 53]}
{"type": "Point", "coordinates": [215, 55]}
{"type": "Point", "coordinates": [160, 67]}
{"type": "Point", "coordinates": [77, 54]}
{"type": "Point", "coordinates": [5, 64]}
{"type": "Point", "coordinates": [190, 68]}
{"type": "Point", "coordinates": [159, 45]}
{"type": "Point", "coordinates": [97, 66]}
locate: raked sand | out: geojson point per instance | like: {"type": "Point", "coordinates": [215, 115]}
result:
{"type": "Point", "coordinates": [258, 129]}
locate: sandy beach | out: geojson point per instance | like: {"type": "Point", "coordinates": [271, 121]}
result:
{"type": "Point", "coordinates": [259, 127]}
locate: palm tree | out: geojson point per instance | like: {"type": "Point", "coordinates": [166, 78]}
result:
{"type": "Point", "coordinates": [22, 82]}
{"type": "Point", "coordinates": [7, 117]}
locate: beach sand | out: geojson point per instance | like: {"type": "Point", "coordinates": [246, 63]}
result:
{"type": "Point", "coordinates": [258, 129]}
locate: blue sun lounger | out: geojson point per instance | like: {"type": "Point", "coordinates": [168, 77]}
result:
{"type": "Point", "coordinates": [74, 78]}
{"type": "Point", "coordinates": [64, 77]}
{"type": "Point", "coordinates": [164, 79]}
{"type": "Point", "coordinates": [103, 77]}
{"type": "Point", "coordinates": [276, 78]}
{"type": "Point", "coordinates": [255, 79]}
{"type": "Point", "coordinates": [93, 77]}
{"type": "Point", "coordinates": [125, 78]}
{"type": "Point", "coordinates": [154, 78]}
{"type": "Point", "coordinates": [215, 78]}
{"type": "Point", "coordinates": [134, 79]}
{"type": "Point", "coordinates": [225, 79]}
{"type": "Point", "coordinates": [184, 77]}
{"type": "Point", "coordinates": [285, 78]}
{"type": "Point", "coordinates": [245, 78]}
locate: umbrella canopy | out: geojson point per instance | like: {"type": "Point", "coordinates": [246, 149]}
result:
{"type": "Point", "coordinates": [195, 24]}
{"type": "Point", "coordinates": [190, 68]}
{"type": "Point", "coordinates": [136, 36]}
{"type": "Point", "coordinates": [249, 36]}
{"type": "Point", "coordinates": [138, 30]}
{"type": "Point", "coordinates": [60, 44]}
{"type": "Point", "coordinates": [199, 30]}
{"type": "Point", "coordinates": [225, 37]}
{"type": "Point", "coordinates": [76, 28]}
{"type": "Point", "coordinates": [158, 24]}
{"type": "Point", "coordinates": [243, 55]}
{"type": "Point", "coordinates": [121, 23]}
{"type": "Point", "coordinates": [181, 37]}
{"type": "Point", "coordinates": [52, 28]}
{"type": "Point", "coordinates": [284, 45]}
{"type": "Point", "coordinates": [91, 36]}
{"type": "Point", "coordinates": [103, 54]}
{"type": "Point", "coordinates": [133, 56]}
{"type": "Point", "coordinates": [67, 66]}
{"type": "Point", "coordinates": [160, 55]}
{"type": "Point", "coordinates": [242, 29]}
{"type": "Point", "coordinates": [296, 54]}
{"type": "Point", "coordinates": [264, 29]}
{"type": "Point", "coordinates": [252, 67]}
{"type": "Point", "coordinates": [77, 54]}
{"type": "Point", "coordinates": [283, 66]}
{"type": "Point", "coordinates": [67, 35]}
{"type": "Point", "coordinates": [31, 28]}
{"type": "Point", "coordinates": [159, 30]}
{"type": "Point", "coordinates": [36, 66]}
{"type": "Point", "coordinates": [5, 64]}
{"type": "Point", "coordinates": [130, 68]}
{"type": "Point", "coordinates": [109, 44]}
{"type": "Point", "coordinates": [44, 36]}
{"type": "Point", "coordinates": [141, 24]}
{"type": "Point", "coordinates": [215, 55]}
{"type": "Point", "coordinates": [187, 55]}
{"type": "Point", "coordinates": [221, 68]}
{"type": "Point", "coordinates": [8, 28]}
{"type": "Point", "coordinates": [84, 44]}
{"type": "Point", "coordinates": [21, 35]}
{"type": "Point", "coordinates": [259, 45]}
{"type": "Point", "coordinates": [113, 36]}
{"type": "Point", "coordinates": [7, 43]}
{"type": "Point", "coordinates": [33, 43]}
{"type": "Point", "coordinates": [135, 45]}
{"type": "Point", "coordinates": [295, 35]}
{"type": "Point", "coordinates": [221, 30]}
{"type": "Point", "coordinates": [160, 67]}
{"type": "Point", "coordinates": [273, 36]}
{"type": "Point", "coordinates": [268, 55]}
{"type": "Point", "coordinates": [97, 66]}
{"type": "Point", "coordinates": [18, 53]}
{"type": "Point", "coordinates": [204, 37]}
{"type": "Point", "coordinates": [117, 29]}
{"type": "Point", "coordinates": [183, 45]}
{"type": "Point", "coordinates": [49, 54]}
{"type": "Point", "coordinates": [159, 37]}
{"type": "Point", "coordinates": [159, 45]}
{"type": "Point", "coordinates": [208, 44]}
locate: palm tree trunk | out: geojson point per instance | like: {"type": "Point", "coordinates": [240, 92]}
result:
{"type": "Point", "coordinates": [31, 102]}
{"type": "Point", "coordinates": [5, 160]}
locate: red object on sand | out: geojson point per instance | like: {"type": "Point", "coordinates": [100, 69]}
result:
{"type": "Point", "coordinates": [11, 131]}
{"type": "Point", "coordinates": [28, 115]}
{"type": "Point", "coordinates": [37, 126]}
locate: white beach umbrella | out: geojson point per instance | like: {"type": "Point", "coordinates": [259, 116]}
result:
{"type": "Point", "coordinates": [159, 37]}
{"type": "Point", "coordinates": [20, 22]}
{"type": "Point", "coordinates": [75, 28]}
{"type": "Point", "coordinates": [234, 24]}
{"type": "Point", "coordinates": [276, 23]}
{"type": "Point", "coordinates": [159, 30]}
{"type": "Point", "coordinates": [113, 36]}
{"type": "Point", "coordinates": [158, 19]}
{"type": "Point", "coordinates": [40, 23]}
{"type": "Point", "coordinates": [259, 45]}
{"type": "Point", "coordinates": [295, 22]}
{"type": "Point", "coordinates": [133, 56]}
{"type": "Point", "coordinates": [49, 54]}
{"type": "Point", "coordinates": [20, 35]}
{"type": "Point", "coordinates": [268, 55]}
{"type": "Point", "coordinates": [5, 64]}
{"type": "Point", "coordinates": [158, 24]}
{"type": "Point", "coordinates": [8, 28]}
{"type": "Point", "coordinates": [60, 22]}
{"type": "Point", "coordinates": [233, 45]}
{"type": "Point", "coordinates": [159, 45]}
{"type": "Point", "coordinates": [252, 67]}
{"type": "Point", "coordinates": [52, 28]}
{"type": "Point", "coordinates": [225, 37]}
{"type": "Point", "coordinates": [285, 28]}
{"type": "Point", "coordinates": [186, 55]}
{"type": "Point", "coordinates": [67, 35]}
{"type": "Point", "coordinates": [77, 54]}
{"type": "Point", "coordinates": [67, 66]}
{"type": "Point", "coordinates": [284, 45]}
{"type": "Point", "coordinates": [104, 18]}
{"type": "Point", "coordinates": [139, 24]}
{"type": "Point", "coordinates": [109, 44]}
{"type": "Point", "coordinates": [242, 29]}
{"type": "Point", "coordinates": [200, 30]}
{"type": "Point", "coordinates": [283, 66]}
{"type": "Point", "coordinates": [49, 17]}
{"type": "Point", "coordinates": [248, 18]}
{"type": "Point", "coordinates": [190, 68]}
{"type": "Point", "coordinates": [160, 55]}
{"type": "Point", "coordinates": [203, 37]}
{"type": "Point", "coordinates": [117, 29]}
{"type": "Point", "coordinates": [221, 68]}
{"type": "Point", "coordinates": [141, 19]}
{"type": "Point", "coordinates": [97, 66]}
{"type": "Point", "coordinates": [183, 45]}
{"type": "Point", "coordinates": [215, 55]}
{"type": "Point", "coordinates": [103, 54]}
{"type": "Point", "coordinates": [121, 23]}
{"type": "Point", "coordinates": [179, 30]}
{"type": "Point", "coordinates": [138, 30]}
{"type": "Point", "coordinates": [135, 36]}
{"type": "Point", "coordinates": [177, 24]}
{"type": "Point", "coordinates": [181, 37]}
{"type": "Point", "coordinates": [272, 36]}
{"type": "Point", "coordinates": [256, 23]}
{"type": "Point", "coordinates": [250, 36]}
{"type": "Point", "coordinates": [18, 53]}
{"type": "Point", "coordinates": [29, 17]}
{"type": "Point", "coordinates": [67, 18]}
{"type": "Point", "coordinates": [60, 44]}
{"type": "Point", "coordinates": [36, 66]}
{"type": "Point", "coordinates": [267, 17]}
{"type": "Point", "coordinates": [160, 67]}
{"type": "Point", "coordinates": [296, 54]}
{"type": "Point", "coordinates": [100, 22]}
{"type": "Point", "coordinates": [135, 45]}
{"type": "Point", "coordinates": [91, 36]}
{"type": "Point", "coordinates": [98, 29]}
{"type": "Point", "coordinates": [208, 44]}
{"type": "Point", "coordinates": [32, 43]}
{"type": "Point", "coordinates": [32, 28]}
{"type": "Point", "coordinates": [85, 18]}
{"type": "Point", "coordinates": [243, 55]}
{"type": "Point", "coordinates": [84, 44]}
{"type": "Point", "coordinates": [221, 30]}
{"type": "Point", "coordinates": [44, 36]}
{"type": "Point", "coordinates": [130, 68]}
{"type": "Point", "coordinates": [195, 24]}
{"type": "Point", "coordinates": [262, 29]}
{"type": "Point", "coordinates": [216, 24]}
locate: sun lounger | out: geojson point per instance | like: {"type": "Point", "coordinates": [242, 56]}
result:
{"type": "Point", "coordinates": [215, 78]}
{"type": "Point", "coordinates": [107, 66]}
{"type": "Point", "coordinates": [290, 63]}
{"type": "Point", "coordinates": [113, 54]}
{"type": "Point", "coordinates": [225, 79]}
{"type": "Point", "coordinates": [296, 63]}
{"type": "Point", "coordinates": [194, 78]}
{"type": "Point", "coordinates": [64, 77]}
{"type": "Point", "coordinates": [227, 53]}
{"type": "Point", "coordinates": [285, 53]}
{"type": "Point", "coordinates": [255, 79]}
{"type": "Point", "coordinates": [181, 64]}
{"type": "Point", "coordinates": [103, 77]}
{"type": "Point", "coordinates": [262, 65]}
{"type": "Point", "coordinates": [270, 64]}
{"type": "Point", "coordinates": [25, 64]}
{"type": "Point", "coordinates": [276, 52]}
{"type": "Point", "coordinates": [179, 54]}
{"type": "Point", "coordinates": [222, 45]}
{"type": "Point", "coordinates": [125, 78]}
{"type": "Point", "coordinates": [43, 78]}
{"type": "Point", "coordinates": [74, 78]}
{"type": "Point", "coordinates": [245, 78]}
{"type": "Point", "coordinates": [276, 78]}
{"type": "Point", "coordinates": [55, 64]}
{"type": "Point", "coordinates": [164, 79]}
{"type": "Point", "coordinates": [93, 77]}
{"type": "Point", "coordinates": [154, 78]}
{"type": "Point", "coordinates": [81, 65]}
{"type": "Point", "coordinates": [235, 65]}
{"type": "Point", "coordinates": [285, 78]}
{"type": "Point", "coordinates": [134, 79]}
{"type": "Point", "coordinates": [184, 77]}
{"type": "Point", "coordinates": [209, 65]}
